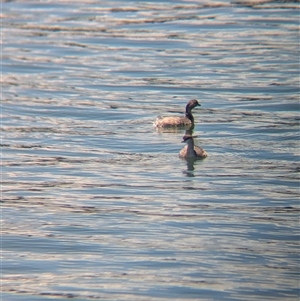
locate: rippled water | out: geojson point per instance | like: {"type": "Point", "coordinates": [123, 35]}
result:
{"type": "Point", "coordinates": [96, 203]}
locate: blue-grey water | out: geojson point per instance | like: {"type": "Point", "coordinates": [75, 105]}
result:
{"type": "Point", "coordinates": [96, 204]}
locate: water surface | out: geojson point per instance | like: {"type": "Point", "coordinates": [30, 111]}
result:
{"type": "Point", "coordinates": [96, 204]}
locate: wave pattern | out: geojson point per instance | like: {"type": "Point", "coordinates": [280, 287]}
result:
{"type": "Point", "coordinates": [96, 203]}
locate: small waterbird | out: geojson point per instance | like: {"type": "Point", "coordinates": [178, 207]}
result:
{"type": "Point", "coordinates": [191, 151]}
{"type": "Point", "coordinates": [171, 121]}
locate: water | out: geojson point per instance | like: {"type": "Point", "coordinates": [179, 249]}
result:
{"type": "Point", "coordinates": [96, 204]}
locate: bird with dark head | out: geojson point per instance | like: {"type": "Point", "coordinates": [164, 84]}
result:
{"type": "Point", "coordinates": [177, 121]}
{"type": "Point", "coordinates": [191, 151]}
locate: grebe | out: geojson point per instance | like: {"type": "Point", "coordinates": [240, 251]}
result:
{"type": "Point", "coordinates": [187, 120]}
{"type": "Point", "coordinates": [191, 151]}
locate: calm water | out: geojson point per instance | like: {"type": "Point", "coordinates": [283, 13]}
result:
{"type": "Point", "coordinates": [96, 204]}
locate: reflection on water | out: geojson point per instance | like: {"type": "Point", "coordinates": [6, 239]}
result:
{"type": "Point", "coordinates": [96, 203]}
{"type": "Point", "coordinates": [190, 167]}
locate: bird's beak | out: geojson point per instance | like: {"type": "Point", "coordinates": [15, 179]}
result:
{"type": "Point", "coordinates": [182, 141]}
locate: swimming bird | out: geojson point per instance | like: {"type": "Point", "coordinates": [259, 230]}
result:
{"type": "Point", "coordinates": [187, 120]}
{"type": "Point", "coordinates": [191, 151]}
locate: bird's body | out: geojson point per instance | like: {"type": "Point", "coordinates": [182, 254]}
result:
{"type": "Point", "coordinates": [176, 121]}
{"type": "Point", "coordinates": [191, 151]}
{"type": "Point", "coordinates": [170, 121]}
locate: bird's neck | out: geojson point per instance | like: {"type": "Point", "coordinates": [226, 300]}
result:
{"type": "Point", "coordinates": [190, 148]}
{"type": "Point", "coordinates": [188, 114]}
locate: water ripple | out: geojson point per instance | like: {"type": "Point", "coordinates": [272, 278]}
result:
{"type": "Point", "coordinates": [96, 203]}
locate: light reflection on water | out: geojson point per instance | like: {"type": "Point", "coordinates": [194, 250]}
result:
{"type": "Point", "coordinates": [96, 203]}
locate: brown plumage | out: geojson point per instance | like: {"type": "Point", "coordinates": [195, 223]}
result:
{"type": "Point", "coordinates": [187, 120]}
{"type": "Point", "coordinates": [191, 151]}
